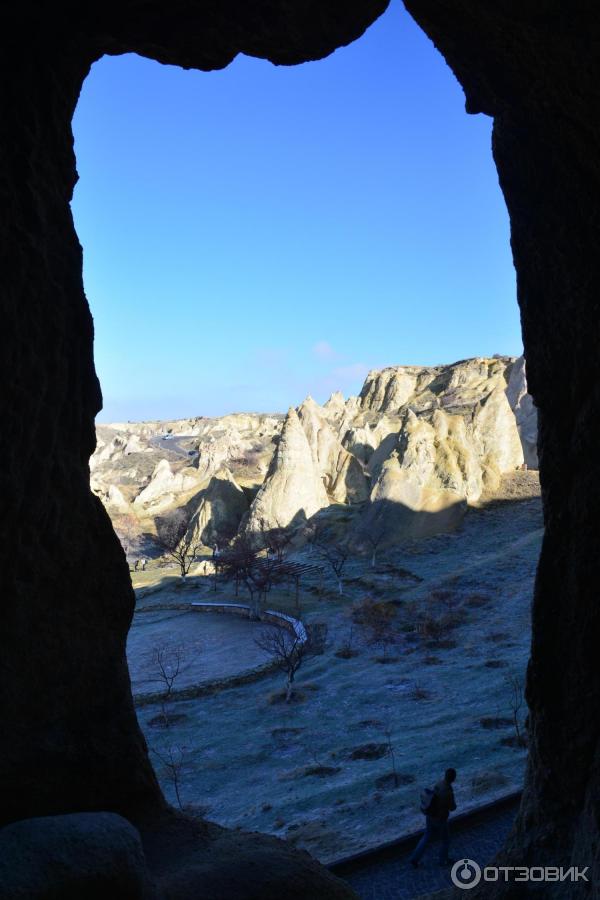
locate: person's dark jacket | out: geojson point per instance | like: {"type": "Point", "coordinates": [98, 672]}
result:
{"type": "Point", "coordinates": [444, 802]}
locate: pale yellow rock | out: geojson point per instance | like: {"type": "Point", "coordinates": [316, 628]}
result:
{"type": "Point", "coordinates": [522, 405]}
{"type": "Point", "coordinates": [341, 473]}
{"type": "Point", "coordinates": [293, 490]}
{"type": "Point", "coordinates": [424, 437]}
{"type": "Point", "coordinates": [165, 487]}
{"type": "Point", "coordinates": [116, 502]}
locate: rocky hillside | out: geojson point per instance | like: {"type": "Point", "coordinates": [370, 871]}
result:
{"type": "Point", "coordinates": [412, 451]}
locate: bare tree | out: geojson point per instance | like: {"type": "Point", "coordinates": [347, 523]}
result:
{"type": "Point", "coordinates": [275, 540]}
{"type": "Point", "coordinates": [172, 757]}
{"type": "Point", "coordinates": [391, 752]}
{"type": "Point", "coordinates": [168, 662]}
{"type": "Point", "coordinates": [126, 529]}
{"type": "Point", "coordinates": [177, 540]}
{"type": "Point", "coordinates": [378, 618]}
{"type": "Point", "coordinates": [347, 648]}
{"type": "Point", "coordinates": [372, 537]}
{"type": "Point", "coordinates": [241, 562]}
{"type": "Point", "coordinates": [335, 554]}
{"type": "Point", "coordinates": [517, 700]}
{"type": "Point", "coordinates": [289, 650]}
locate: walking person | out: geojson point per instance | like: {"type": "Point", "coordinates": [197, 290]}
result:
{"type": "Point", "coordinates": [437, 804]}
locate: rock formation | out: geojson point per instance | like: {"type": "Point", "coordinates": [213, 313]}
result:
{"type": "Point", "coordinates": [524, 411]}
{"type": "Point", "coordinates": [293, 490]}
{"type": "Point", "coordinates": [425, 482]}
{"type": "Point", "coordinates": [462, 413]}
{"type": "Point", "coordinates": [217, 510]}
{"type": "Point", "coordinates": [340, 471]}
{"type": "Point", "coordinates": [165, 487]}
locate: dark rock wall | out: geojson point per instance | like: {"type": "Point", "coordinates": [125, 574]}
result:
{"type": "Point", "coordinates": [535, 67]}
{"type": "Point", "coordinates": [69, 739]}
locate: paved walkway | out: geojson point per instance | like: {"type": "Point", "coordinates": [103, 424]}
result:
{"type": "Point", "coordinates": [389, 876]}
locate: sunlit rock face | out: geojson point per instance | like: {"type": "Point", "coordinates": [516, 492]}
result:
{"type": "Point", "coordinates": [425, 482]}
{"type": "Point", "coordinates": [293, 490]}
{"type": "Point", "coordinates": [166, 487]}
{"type": "Point", "coordinates": [341, 472]}
{"type": "Point", "coordinates": [522, 405]}
{"type": "Point", "coordinates": [463, 411]}
{"type": "Point", "coordinates": [450, 442]}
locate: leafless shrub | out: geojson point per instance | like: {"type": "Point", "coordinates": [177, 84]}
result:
{"type": "Point", "coordinates": [127, 530]}
{"type": "Point", "coordinates": [378, 617]}
{"type": "Point", "coordinates": [369, 751]}
{"type": "Point", "coordinates": [371, 537]}
{"type": "Point", "coordinates": [241, 562]}
{"type": "Point", "coordinates": [475, 601]}
{"type": "Point", "coordinates": [288, 650]}
{"type": "Point", "coordinates": [498, 637]}
{"type": "Point", "coordinates": [347, 648]}
{"type": "Point", "coordinates": [177, 540]}
{"type": "Point", "coordinates": [419, 693]}
{"type": "Point", "coordinates": [317, 636]}
{"type": "Point", "coordinates": [487, 781]}
{"type": "Point", "coordinates": [391, 753]}
{"type": "Point", "coordinates": [334, 553]}
{"type": "Point", "coordinates": [493, 722]}
{"type": "Point", "coordinates": [168, 662]}
{"type": "Point", "coordinates": [517, 701]}
{"type": "Point", "coordinates": [275, 540]}
{"type": "Point", "coordinates": [172, 757]}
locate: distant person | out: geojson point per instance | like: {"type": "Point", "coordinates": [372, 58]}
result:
{"type": "Point", "coordinates": [143, 562]}
{"type": "Point", "coordinates": [437, 804]}
{"type": "Point", "coordinates": [136, 564]}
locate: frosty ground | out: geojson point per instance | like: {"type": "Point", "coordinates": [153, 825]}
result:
{"type": "Point", "coordinates": [320, 772]}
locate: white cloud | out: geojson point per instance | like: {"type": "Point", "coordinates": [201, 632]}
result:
{"type": "Point", "coordinates": [323, 350]}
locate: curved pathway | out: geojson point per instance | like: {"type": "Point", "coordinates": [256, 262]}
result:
{"type": "Point", "coordinates": [387, 874]}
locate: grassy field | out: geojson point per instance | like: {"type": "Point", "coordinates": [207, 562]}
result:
{"type": "Point", "coordinates": [341, 768]}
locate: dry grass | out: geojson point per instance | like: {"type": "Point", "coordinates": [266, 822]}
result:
{"type": "Point", "coordinates": [488, 781]}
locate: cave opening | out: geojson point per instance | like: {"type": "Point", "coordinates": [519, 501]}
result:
{"type": "Point", "coordinates": [71, 740]}
{"type": "Point", "coordinates": [450, 618]}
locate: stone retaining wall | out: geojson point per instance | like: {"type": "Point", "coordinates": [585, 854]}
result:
{"type": "Point", "coordinates": [270, 616]}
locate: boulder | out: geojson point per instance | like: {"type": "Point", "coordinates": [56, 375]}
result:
{"type": "Point", "coordinates": [91, 855]}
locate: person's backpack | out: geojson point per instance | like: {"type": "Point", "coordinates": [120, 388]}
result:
{"type": "Point", "coordinates": [428, 801]}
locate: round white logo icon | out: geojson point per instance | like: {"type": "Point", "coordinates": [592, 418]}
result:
{"type": "Point", "coordinates": [465, 874]}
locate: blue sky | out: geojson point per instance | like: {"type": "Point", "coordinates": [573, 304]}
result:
{"type": "Point", "coordinates": [260, 233]}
